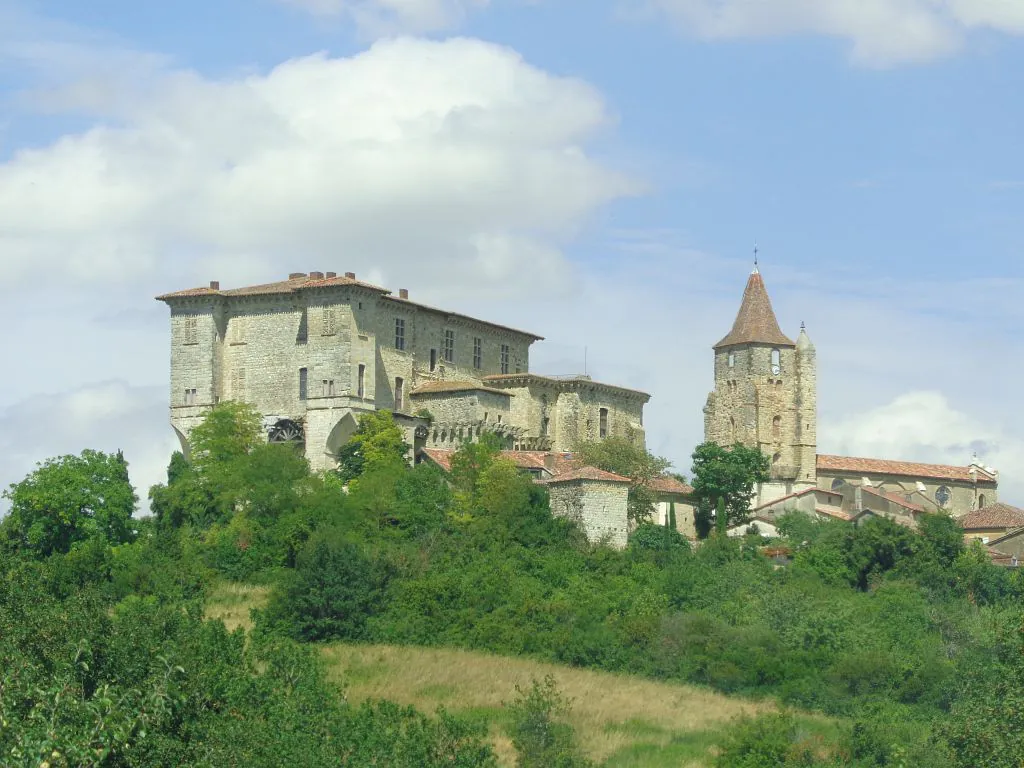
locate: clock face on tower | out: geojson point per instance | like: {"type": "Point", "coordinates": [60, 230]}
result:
{"type": "Point", "coordinates": [776, 369]}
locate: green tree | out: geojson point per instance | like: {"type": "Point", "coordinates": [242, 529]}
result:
{"type": "Point", "coordinates": [71, 499]}
{"type": "Point", "coordinates": [726, 473]}
{"type": "Point", "coordinates": [540, 733]}
{"type": "Point", "coordinates": [228, 432]}
{"type": "Point", "coordinates": [377, 441]}
{"type": "Point", "coordinates": [624, 455]}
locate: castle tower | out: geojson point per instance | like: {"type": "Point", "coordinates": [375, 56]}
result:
{"type": "Point", "coordinates": [765, 394]}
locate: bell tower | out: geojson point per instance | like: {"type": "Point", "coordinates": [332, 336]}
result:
{"type": "Point", "coordinates": [765, 394]}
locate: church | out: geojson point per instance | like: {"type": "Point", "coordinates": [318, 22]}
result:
{"type": "Point", "coordinates": [765, 396]}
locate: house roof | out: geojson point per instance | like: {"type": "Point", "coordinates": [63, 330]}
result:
{"type": "Point", "coordinates": [861, 466]}
{"type": "Point", "coordinates": [797, 495]}
{"type": "Point", "coordinates": [755, 322]}
{"type": "Point", "coordinates": [893, 498]}
{"type": "Point", "coordinates": [996, 515]}
{"type": "Point", "coordinates": [836, 514]}
{"type": "Point", "coordinates": [587, 473]}
{"type": "Point", "coordinates": [443, 387]}
{"type": "Point", "coordinates": [669, 484]}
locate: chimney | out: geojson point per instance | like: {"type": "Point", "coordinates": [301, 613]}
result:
{"type": "Point", "coordinates": [403, 293]}
{"type": "Point", "coordinates": [296, 275]}
{"type": "Point", "coordinates": [350, 275]}
{"type": "Point", "coordinates": [316, 275]}
{"type": "Point", "coordinates": [214, 285]}
{"type": "Point", "coordinates": [331, 275]}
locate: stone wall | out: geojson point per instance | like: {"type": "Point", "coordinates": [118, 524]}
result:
{"type": "Point", "coordinates": [599, 506]}
{"type": "Point", "coordinates": [964, 495]}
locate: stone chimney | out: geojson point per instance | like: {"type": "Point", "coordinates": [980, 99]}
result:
{"type": "Point", "coordinates": [214, 285]}
{"type": "Point", "coordinates": [403, 293]}
{"type": "Point", "coordinates": [296, 275]}
{"type": "Point", "coordinates": [330, 275]}
{"type": "Point", "coordinates": [316, 275]}
{"type": "Point", "coordinates": [350, 275]}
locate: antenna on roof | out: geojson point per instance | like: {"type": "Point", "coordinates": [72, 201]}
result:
{"type": "Point", "coordinates": [755, 257]}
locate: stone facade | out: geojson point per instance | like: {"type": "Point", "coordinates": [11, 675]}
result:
{"type": "Point", "coordinates": [597, 500]}
{"type": "Point", "coordinates": [318, 349]}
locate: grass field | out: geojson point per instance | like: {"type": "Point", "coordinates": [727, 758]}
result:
{"type": "Point", "coordinates": [621, 721]}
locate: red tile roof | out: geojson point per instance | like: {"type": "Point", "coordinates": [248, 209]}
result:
{"type": "Point", "coordinates": [996, 515]}
{"type": "Point", "coordinates": [906, 468]}
{"type": "Point", "coordinates": [837, 514]}
{"type": "Point", "coordinates": [440, 387]}
{"type": "Point", "coordinates": [588, 473]}
{"type": "Point", "coordinates": [894, 498]}
{"type": "Point", "coordinates": [669, 484]}
{"type": "Point", "coordinates": [755, 322]}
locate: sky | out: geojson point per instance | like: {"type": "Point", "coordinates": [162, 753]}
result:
{"type": "Point", "coordinates": [597, 172]}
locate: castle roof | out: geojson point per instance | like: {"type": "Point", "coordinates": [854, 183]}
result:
{"type": "Point", "coordinates": [755, 322]}
{"type": "Point", "coordinates": [453, 387]}
{"type": "Point", "coordinates": [969, 474]}
{"type": "Point", "coordinates": [562, 382]}
{"type": "Point", "coordinates": [997, 515]}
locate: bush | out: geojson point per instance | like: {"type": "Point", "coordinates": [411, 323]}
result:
{"type": "Point", "coordinates": [539, 732]}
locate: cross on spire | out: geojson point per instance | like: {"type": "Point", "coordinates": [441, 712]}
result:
{"type": "Point", "coordinates": [755, 257]}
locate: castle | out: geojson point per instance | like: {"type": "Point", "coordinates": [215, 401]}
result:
{"type": "Point", "coordinates": [316, 350]}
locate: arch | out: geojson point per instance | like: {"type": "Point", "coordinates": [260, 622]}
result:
{"type": "Point", "coordinates": [776, 358]}
{"type": "Point", "coordinates": [186, 449]}
{"type": "Point", "coordinates": [777, 427]}
{"type": "Point", "coordinates": [776, 459]}
{"type": "Point", "coordinates": [341, 433]}
{"type": "Point", "coordinates": [981, 501]}
{"type": "Point", "coordinates": [838, 484]}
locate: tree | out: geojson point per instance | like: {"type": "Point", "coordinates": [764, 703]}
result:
{"type": "Point", "coordinates": [228, 432]}
{"type": "Point", "coordinates": [377, 441]}
{"type": "Point", "coordinates": [623, 455]}
{"type": "Point", "coordinates": [726, 473]}
{"type": "Point", "coordinates": [71, 499]}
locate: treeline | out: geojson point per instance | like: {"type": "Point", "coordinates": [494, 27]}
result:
{"type": "Point", "coordinates": [913, 640]}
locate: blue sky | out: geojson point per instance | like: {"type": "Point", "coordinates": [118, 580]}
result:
{"type": "Point", "coordinates": [631, 152]}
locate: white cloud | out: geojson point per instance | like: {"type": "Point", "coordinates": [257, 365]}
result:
{"type": "Point", "coordinates": [880, 32]}
{"type": "Point", "coordinates": [107, 416]}
{"type": "Point", "coordinates": [383, 17]}
{"type": "Point", "coordinates": [424, 157]}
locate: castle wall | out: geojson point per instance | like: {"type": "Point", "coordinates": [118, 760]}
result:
{"type": "Point", "coordinates": [599, 506]}
{"type": "Point", "coordinates": [964, 496]}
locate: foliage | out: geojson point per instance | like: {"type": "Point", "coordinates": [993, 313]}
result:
{"type": "Point", "coordinates": [229, 431]}
{"type": "Point", "coordinates": [539, 732]}
{"type": "Point", "coordinates": [378, 441]}
{"type": "Point", "coordinates": [625, 455]}
{"type": "Point", "coordinates": [726, 473]}
{"type": "Point", "coordinates": [68, 500]}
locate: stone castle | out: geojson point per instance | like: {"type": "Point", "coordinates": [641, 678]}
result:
{"type": "Point", "coordinates": [316, 350]}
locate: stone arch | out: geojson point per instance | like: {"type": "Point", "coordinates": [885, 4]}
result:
{"type": "Point", "coordinates": [981, 500]}
{"type": "Point", "coordinates": [341, 433]}
{"type": "Point", "coordinates": [186, 449]}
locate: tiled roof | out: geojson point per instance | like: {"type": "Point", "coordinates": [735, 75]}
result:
{"type": "Point", "coordinates": [836, 514]}
{"type": "Point", "coordinates": [893, 498]}
{"type": "Point", "coordinates": [996, 515]}
{"type": "Point", "coordinates": [755, 322]}
{"type": "Point", "coordinates": [440, 387]}
{"type": "Point", "coordinates": [906, 468]}
{"type": "Point", "coordinates": [400, 300]}
{"type": "Point", "coordinates": [797, 495]}
{"type": "Point", "coordinates": [512, 379]}
{"type": "Point", "coordinates": [588, 473]}
{"type": "Point", "coordinates": [669, 484]}
{"type": "Point", "coordinates": [291, 285]}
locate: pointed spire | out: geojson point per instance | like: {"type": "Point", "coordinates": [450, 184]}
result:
{"type": "Point", "coordinates": [755, 322]}
{"type": "Point", "coordinates": [803, 341]}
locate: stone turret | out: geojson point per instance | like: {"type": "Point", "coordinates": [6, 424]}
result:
{"type": "Point", "coordinates": [765, 394]}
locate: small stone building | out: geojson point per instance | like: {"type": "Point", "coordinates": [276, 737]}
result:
{"type": "Point", "coordinates": [596, 500]}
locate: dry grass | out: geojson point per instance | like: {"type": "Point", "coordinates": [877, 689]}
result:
{"type": "Point", "coordinates": [231, 602]}
{"type": "Point", "coordinates": [611, 713]}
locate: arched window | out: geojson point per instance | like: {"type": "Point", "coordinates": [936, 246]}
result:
{"type": "Point", "coordinates": [776, 427]}
{"type": "Point", "coordinates": [732, 430]}
{"type": "Point", "coordinates": [981, 500]}
{"type": "Point", "coordinates": [776, 458]}
{"type": "Point", "coordinates": [776, 362]}
{"type": "Point", "coordinates": [732, 359]}
{"type": "Point", "coordinates": [838, 483]}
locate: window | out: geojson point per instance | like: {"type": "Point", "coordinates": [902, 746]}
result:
{"type": "Point", "coordinates": [545, 426]}
{"type": "Point", "coordinates": [478, 353]}
{"type": "Point", "coordinates": [328, 388]}
{"type": "Point", "coordinates": [942, 495]}
{"type": "Point", "coordinates": [981, 500]}
{"type": "Point", "coordinates": [433, 360]}
{"type": "Point", "coordinates": [190, 397]}
{"type": "Point", "coordinates": [399, 393]}
{"type": "Point", "coordinates": [604, 423]}
{"type": "Point", "coordinates": [330, 325]}
{"type": "Point", "coordinates": [191, 331]}
{"type": "Point", "coordinates": [399, 333]}
{"type": "Point", "coordinates": [449, 346]}
{"type": "Point", "coordinates": [838, 484]}
{"type": "Point", "coordinates": [303, 383]}
{"type": "Point", "coordinates": [732, 359]}
{"type": "Point", "coordinates": [776, 362]}
{"type": "Point", "coordinates": [776, 427]}
{"type": "Point", "coordinates": [237, 330]}
{"type": "Point", "coordinates": [776, 459]}
{"type": "Point", "coordinates": [361, 383]}
{"type": "Point", "coordinates": [504, 358]}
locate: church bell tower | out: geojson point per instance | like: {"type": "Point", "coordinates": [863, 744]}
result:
{"type": "Point", "coordinates": [765, 394]}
